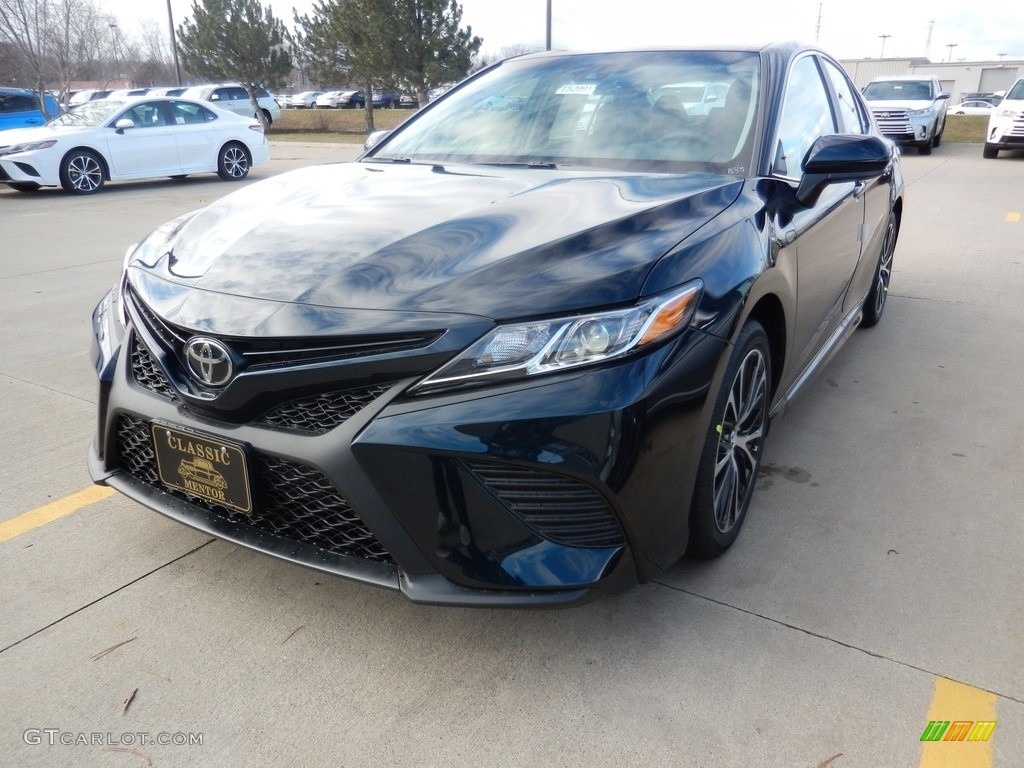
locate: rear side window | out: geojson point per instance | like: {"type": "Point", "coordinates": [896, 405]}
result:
{"type": "Point", "coordinates": [853, 119]}
{"type": "Point", "coordinates": [11, 103]}
{"type": "Point", "coordinates": [190, 114]}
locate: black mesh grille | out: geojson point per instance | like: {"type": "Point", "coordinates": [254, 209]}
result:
{"type": "Point", "coordinates": [321, 413]}
{"type": "Point", "coordinates": [263, 353]}
{"type": "Point", "coordinates": [147, 373]}
{"type": "Point", "coordinates": [561, 509]}
{"type": "Point", "coordinates": [290, 500]}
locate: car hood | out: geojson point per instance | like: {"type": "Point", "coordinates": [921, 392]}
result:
{"type": "Point", "coordinates": [42, 133]}
{"type": "Point", "coordinates": [493, 242]}
{"type": "Point", "coordinates": [892, 104]}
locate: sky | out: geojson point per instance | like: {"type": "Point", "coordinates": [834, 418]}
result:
{"type": "Point", "coordinates": [843, 28]}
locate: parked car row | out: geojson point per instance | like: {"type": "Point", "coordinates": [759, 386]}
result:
{"type": "Point", "coordinates": [230, 96]}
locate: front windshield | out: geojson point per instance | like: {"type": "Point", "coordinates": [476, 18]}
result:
{"type": "Point", "coordinates": [649, 111]}
{"type": "Point", "coordinates": [91, 113]}
{"type": "Point", "coordinates": [1017, 92]}
{"type": "Point", "coordinates": [896, 90]}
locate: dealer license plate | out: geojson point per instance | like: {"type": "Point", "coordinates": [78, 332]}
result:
{"type": "Point", "coordinates": [203, 465]}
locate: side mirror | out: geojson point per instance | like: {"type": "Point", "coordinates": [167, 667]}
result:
{"type": "Point", "coordinates": [374, 139]}
{"type": "Point", "coordinates": [839, 158]}
{"type": "Point", "coordinates": [123, 124]}
{"type": "Point", "coordinates": [944, 95]}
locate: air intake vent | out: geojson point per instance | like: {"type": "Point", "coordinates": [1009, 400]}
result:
{"type": "Point", "coordinates": [561, 509]}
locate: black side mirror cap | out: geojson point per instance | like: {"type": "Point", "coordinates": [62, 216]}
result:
{"type": "Point", "coordinates": [842, 157]}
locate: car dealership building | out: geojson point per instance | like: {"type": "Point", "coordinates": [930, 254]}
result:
{"type": "Point", "coordinates": [959, 78]}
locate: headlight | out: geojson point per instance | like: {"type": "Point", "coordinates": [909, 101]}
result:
{"type": "Point", "coordinates": [545, 346]}
{"type": "Point", "coordinates": [919, 112]}
{"type": "Point", "coordinates": [1008, 113]}
{"type": "Point", "coordinates": [30, 147]}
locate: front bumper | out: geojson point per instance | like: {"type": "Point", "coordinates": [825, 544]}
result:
{"type": "Point", "coordinates": [536, 493]}
{"type": "Point", "coordinates": [903, 128]}
{"type": "Point", "coordinates": [1006, 131]}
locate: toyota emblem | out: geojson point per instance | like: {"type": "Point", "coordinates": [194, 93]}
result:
{"type": "Point", "coordinates": [209, 361]}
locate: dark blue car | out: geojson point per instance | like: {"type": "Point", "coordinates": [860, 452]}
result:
{"type": "Point", "coordinates": [19, 108]}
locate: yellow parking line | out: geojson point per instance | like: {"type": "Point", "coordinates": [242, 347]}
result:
{"type": "Point", "coordinates": [47, 513]}
{"type": "Point", "coordinates": [962, 707]}
{"type": "Point", "coordinates": [1013, 217]}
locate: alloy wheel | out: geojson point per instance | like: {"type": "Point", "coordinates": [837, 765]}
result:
{"type": "Point", "coordinates": [85, 173]}
{"type": "Point", "coordinates": [236, 164]}
{"type": "Point", "coordinates": [742, 433]}
{"type": "Point", "coordinates": [885, 267]}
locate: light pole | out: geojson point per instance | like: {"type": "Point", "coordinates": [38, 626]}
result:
{"type": "Point", "coordinates": [174, 44]}
{"type": "Point", "coordinates": [113, 46]}
{"type": "Point", "coordinates": [549, 25]}
{"type": "Point", "coordinates": [884, 38]}
{"type": "Point", "coordinates": [951, 46]}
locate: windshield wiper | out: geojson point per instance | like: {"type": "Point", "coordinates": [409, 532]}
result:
{"type": "Point", "coordinates": [530, 164]}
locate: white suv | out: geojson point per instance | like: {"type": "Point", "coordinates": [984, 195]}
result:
{"type": "Point", "coordinates": [910, 109]}
{"type": "Point", "coordinates": [1006, 123]}
{"type": "Point", "coordinates": [232, 97]}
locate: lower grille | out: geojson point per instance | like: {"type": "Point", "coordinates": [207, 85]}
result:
{"type": "Point", "coordinates": [290, 500]}
{"type": "Point", "coordinates": [559, 508]}
{"type": "Point", "coordinates": [322, 413]}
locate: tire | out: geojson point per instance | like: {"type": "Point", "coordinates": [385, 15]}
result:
{"type": "Point", "coordinates": [314, 105]}
{"type": "Point", "coordinates": [990, 152]}
{"type": "Point", "coordinates": [874, 302]}
{"type": "Point", "coordinates": [81, 173]}
{"type": "Point", "coordinates": [926, 148]}
{"type": "Point", "coordinates": [266, 116]}
{"type": "Point", "coordinates": [937, 140]}
{"type": "Point", "coordinates": [733, 446]}
{"type": "Point", "coordinates": [23, 186]}
{"type": "Point", "coordinates": [233, 162]}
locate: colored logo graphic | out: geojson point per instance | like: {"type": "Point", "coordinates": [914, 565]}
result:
{"type": "Point", "coordinates": [958, 730]}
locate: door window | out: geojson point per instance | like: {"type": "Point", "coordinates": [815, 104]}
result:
{"type": "Point", "coordinates": [806, 115]}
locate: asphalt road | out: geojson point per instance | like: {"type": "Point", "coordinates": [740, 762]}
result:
{"type": "Point", "coordinates": [875, 588]}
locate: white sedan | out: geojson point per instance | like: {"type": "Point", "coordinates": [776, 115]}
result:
{"type": "Point", "coordinates": [973, 107]}
{"type": "Point", "coordinates": [304, 100]}
{"type": "Point", "coordinates": [141, 138]}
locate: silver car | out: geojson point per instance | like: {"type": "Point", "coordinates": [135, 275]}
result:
{"type": "Point", "coordinates": [233, 98]}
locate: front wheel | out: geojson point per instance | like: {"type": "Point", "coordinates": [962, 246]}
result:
{"type": "Point", "coordinates": [233, 162]}
{"type": "Point", "coordinates": [733, 446]}
{"type": "Point", "coordinates": [874, 303]}
{"type": "Point", "coordinates": [990, 152]}
{"type": "Point", "coordinates": [926, 148]}
{"type": "Point", "coordinates": [81, 173]}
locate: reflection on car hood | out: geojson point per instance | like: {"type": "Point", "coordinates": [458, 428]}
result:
{"type": "Point", "coordinates": [493, 242]}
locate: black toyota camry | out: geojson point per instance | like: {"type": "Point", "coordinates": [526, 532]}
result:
{"type": "Point", "coordinates": [527, 348]}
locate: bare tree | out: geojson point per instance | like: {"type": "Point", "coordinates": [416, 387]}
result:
{"type": "Point", "coordinates": [51, 40]}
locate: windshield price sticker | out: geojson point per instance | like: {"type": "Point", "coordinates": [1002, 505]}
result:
{"type": "Point", "coordinates": [577, 89]}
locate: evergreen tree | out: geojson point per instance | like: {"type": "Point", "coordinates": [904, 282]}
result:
{"type": "Point", "coordinates": [236, 40]}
